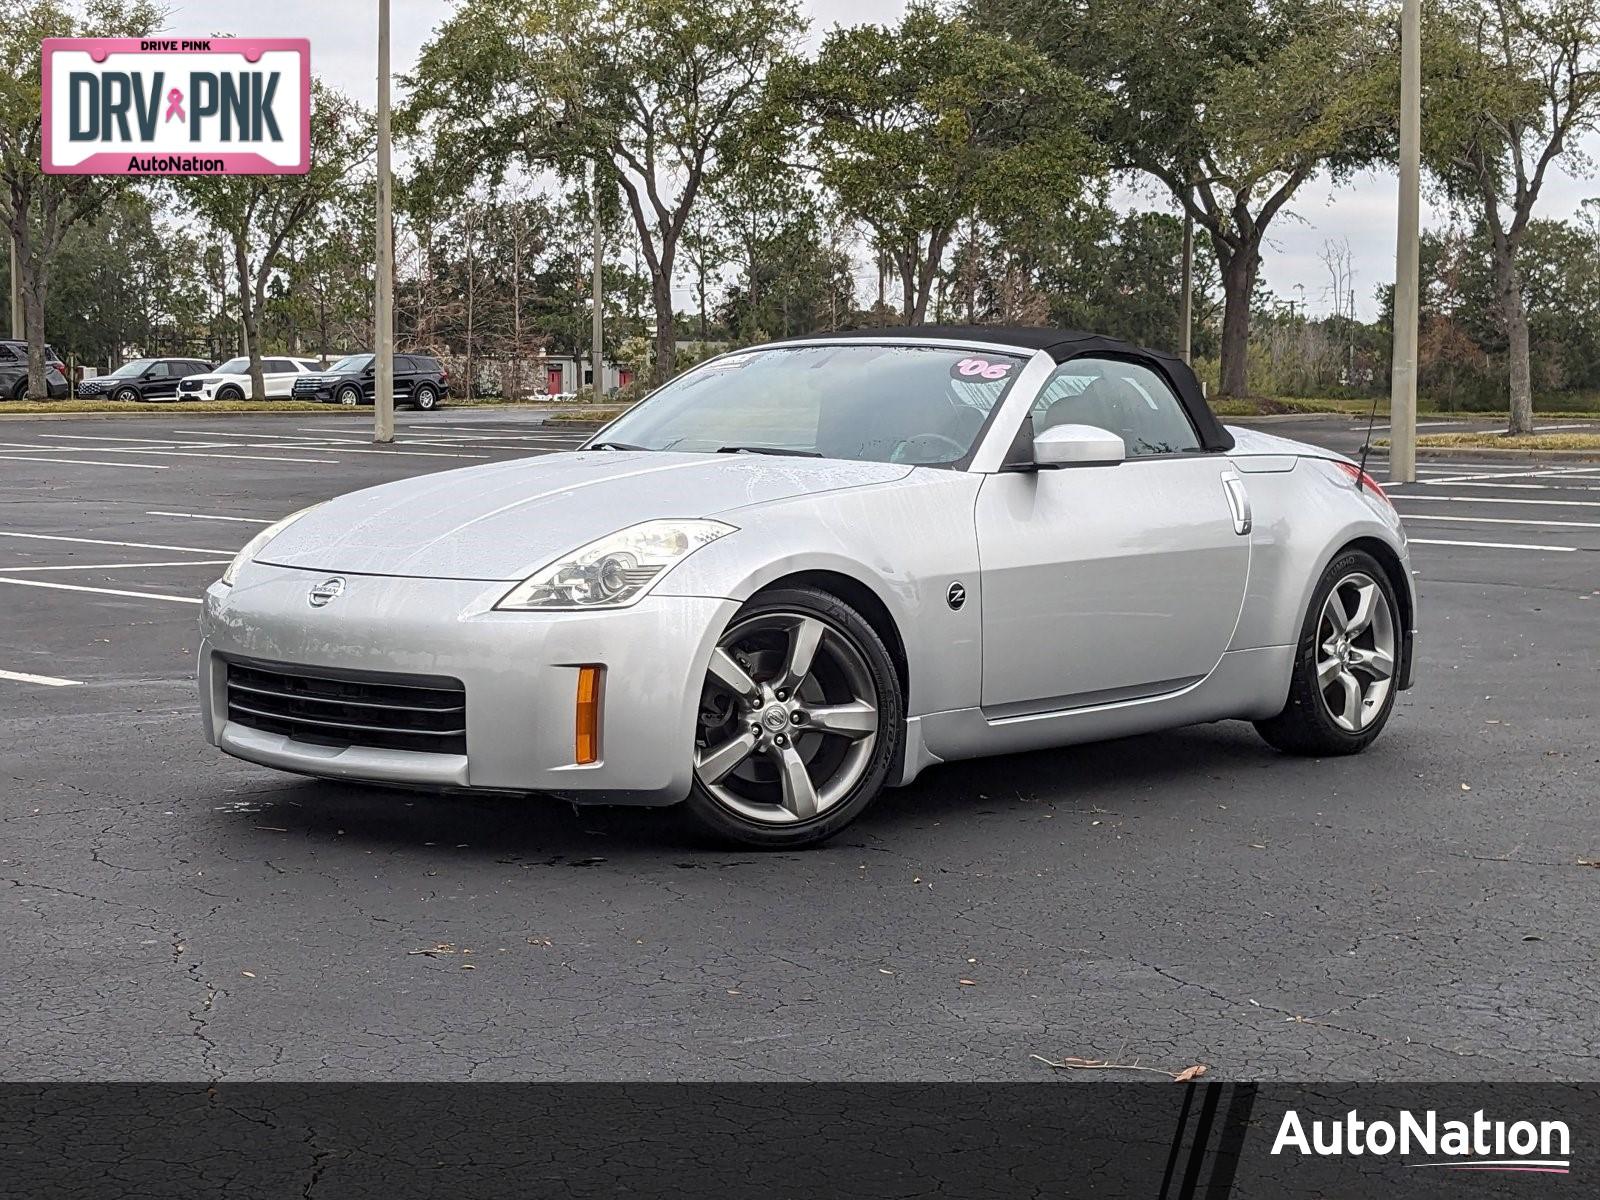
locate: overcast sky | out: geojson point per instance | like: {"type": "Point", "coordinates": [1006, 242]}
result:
{"type": "Point", "coordinates": [343, 37]}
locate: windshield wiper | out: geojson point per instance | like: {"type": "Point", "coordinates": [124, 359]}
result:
{"type": "Point", "coordinates": [784, 451]}
{"type": "Point", "coordinates": [614, 446]}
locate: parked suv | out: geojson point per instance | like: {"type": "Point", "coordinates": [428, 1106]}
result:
{"type": "Point", "coordinates": [14, 371]}
{"type": "Point", "coordinates": [231, 381]}
{"type": "Point", "coordinates": [144, 379]}
{"type": "Point", "coordinates": [419, 381]}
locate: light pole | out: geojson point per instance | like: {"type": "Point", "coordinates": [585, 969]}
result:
{"type": "Point", "coordinates": [383, 297]}
{"type": "Point", "coordinates": [1403, 373]}
{"type": "Point", "coordinates": [597, 321]}
{"type": "Point", "coordinates": [1186, 294]}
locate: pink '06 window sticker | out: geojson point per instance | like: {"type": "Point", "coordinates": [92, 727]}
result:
{"type": "Point", "coordinates": [980, 368]}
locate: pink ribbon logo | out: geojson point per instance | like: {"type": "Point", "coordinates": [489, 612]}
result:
{"type": "Point", "coordinates": [175, 105]}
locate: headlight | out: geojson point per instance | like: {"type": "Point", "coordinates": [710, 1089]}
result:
{"type": "Point", "coordinates": [616, 570]}
{"type": "Point", "coordinates": [255, 544]}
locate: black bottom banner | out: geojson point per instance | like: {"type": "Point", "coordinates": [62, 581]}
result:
{"type": "Point", "coordinates": [1161, 1141]}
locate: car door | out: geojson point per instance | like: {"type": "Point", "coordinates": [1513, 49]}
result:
{"type": "Point", "coordinates": [158, 381]}
{"type": "Point", "coordinates": [1110, 583]}
{"type": "Point", "coordinates": [278, 376]}
{"type": "Point", "coordinates": [405, 377]}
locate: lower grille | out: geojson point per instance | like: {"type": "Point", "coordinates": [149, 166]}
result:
{"type": "Point", "coordinates": [340, 708]}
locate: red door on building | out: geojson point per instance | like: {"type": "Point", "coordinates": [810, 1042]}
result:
{"type": "Point", "coordinates": [552, 379]}
{"type": "Point", "coordinates": [624, 377]}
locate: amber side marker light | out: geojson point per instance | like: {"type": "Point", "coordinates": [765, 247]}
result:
{"type": "Point", "coordinates": [587, 740]}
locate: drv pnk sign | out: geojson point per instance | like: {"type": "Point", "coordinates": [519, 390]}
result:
{"type": "Point", "coordinates": [171, 106]}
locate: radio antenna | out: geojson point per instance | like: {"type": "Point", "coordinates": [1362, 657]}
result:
{"type": "Point", "coordinates": [1366, 447]}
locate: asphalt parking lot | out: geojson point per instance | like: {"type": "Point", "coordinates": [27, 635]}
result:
{"type": "Point", "coordinates": [1423, 911]}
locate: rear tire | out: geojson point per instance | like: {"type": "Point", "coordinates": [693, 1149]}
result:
{"type": "Point", "coordinates": [425, 398]}
{"type": "Point", "coordinates": [800, 723]}
{"type": "Point", "coordinates": [1346, 665]}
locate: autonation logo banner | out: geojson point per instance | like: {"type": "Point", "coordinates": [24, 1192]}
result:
{"type": "Point", "coordinates": [1477, 1143]}
{"type": "Point", "coordinates": [169, 106]}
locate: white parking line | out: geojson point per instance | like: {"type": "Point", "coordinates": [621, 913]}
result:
{"type": "Point", "coordinates": [344, 449]}
{"type": "Point", "coordinates": [59, 537]}
{"type": "Point", "coordinates": [46, 680]}
{"type": "Point", "coordinates": [156, 512]}
{"type": "Point", "coordinates": [86, 462]}
{"type": "Point", "coordinates": [1504, 521]}
{"type": "Point", "coordinates": [331, 462]}
{"type": "Point", "coordinates": [1511, 500]}
{"type": "Point", "coordinates": [193, 562]}
{"type": "Point", "coordinates": [76, 587]}
{"type": "Point", "coordinates": [1517, 487]}
{"type": "Point", "coordinates": [1492, 545]}
{"type": "Point", "coordinates": [88, 437]}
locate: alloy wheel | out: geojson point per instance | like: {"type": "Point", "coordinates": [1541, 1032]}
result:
{"type": "Point", "coordinates": [788, 718]}
{"type": "Point", "coordinates": [1355, 652]}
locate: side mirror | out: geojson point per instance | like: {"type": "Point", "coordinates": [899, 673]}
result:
{"type": "Point", "coordinates": [1077, 446]}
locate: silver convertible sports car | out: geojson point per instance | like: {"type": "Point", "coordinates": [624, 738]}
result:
{"type": "Point", "coordinates": [800, 573]}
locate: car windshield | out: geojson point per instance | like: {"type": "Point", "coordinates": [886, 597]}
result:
{"type": "Point", "coordinates": [903, 404]}
{"type": "Point", "coordinates": [234, 366]}
{"type": "Point", "coordinates": [136, 367]}
{"type": "Point", "coordinates": [352, 364]}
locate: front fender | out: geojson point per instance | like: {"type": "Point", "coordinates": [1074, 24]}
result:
{"type": "Point", "coordinates": [905, 541]}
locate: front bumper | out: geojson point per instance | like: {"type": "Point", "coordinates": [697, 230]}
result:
{"type": "Point", "coordinates": [519, 671]}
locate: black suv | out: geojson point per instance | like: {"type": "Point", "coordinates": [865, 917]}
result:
{"type": "Point", "coordinates": [419, 381]}
{"type": "Point", "coordinates": [144, 379]}
{"type": "Point", "coordinates": [14, 371]}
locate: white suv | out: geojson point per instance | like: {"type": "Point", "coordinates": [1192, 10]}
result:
{"type": "Point", "coordinates": [231, 381]}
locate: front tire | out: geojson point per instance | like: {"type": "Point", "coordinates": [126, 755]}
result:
{"type": "Point", "coordinates": [1346, 664]}
{"type": "Point", "coordinates": [229, 393]}
{"type": "Point", "coordinates": [127, 395]}
{"type": "Point", "coordinates": [349, 396]}
{"type": "Point", "coordinates": [800, 722]}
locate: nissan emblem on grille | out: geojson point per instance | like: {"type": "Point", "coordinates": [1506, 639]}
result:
{"type": "Point", "coordinates": [325, 591]}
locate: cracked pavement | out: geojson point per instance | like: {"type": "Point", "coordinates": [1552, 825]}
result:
{"type": "Point", "coordinates": [1419, 912]}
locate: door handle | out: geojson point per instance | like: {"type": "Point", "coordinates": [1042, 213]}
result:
{"type": "Point", "coordinates": [1238, 503]}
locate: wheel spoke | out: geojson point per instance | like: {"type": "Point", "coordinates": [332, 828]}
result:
{"type": "Point", "coordinates": [1334, 614]}
{"type": "Point", "coordinates": [1378, 663]}
{"type": "Point", "coordinates": [1366, 600]}
{"type": "Point", "coordinates": [1349, 714]}
{"type": "Point", "coordinates": [799, 793]}
{"type": "Point", "coordinates": [1328, 670]}
{"type": "Point", "coordinates": [804, 638]}
{"type": "Point", "coordinates": [726, 670]}
{"type": "Point", "coordinates": [713, 765]}
{"type": "Point", "coordinates": [855, 720]}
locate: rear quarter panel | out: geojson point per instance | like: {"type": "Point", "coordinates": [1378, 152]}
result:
{"type": "Point", "coordinates": [1302, 517]}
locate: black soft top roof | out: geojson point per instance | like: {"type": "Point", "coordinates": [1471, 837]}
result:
{"type": "Point", "coordinates": [1061, 345]}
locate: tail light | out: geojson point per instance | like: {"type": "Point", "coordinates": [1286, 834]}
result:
{"type": "Point", "coordinates": [1364, 481]}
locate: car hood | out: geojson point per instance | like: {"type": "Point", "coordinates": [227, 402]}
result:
{"type": "Point", "coordinates": [504, 520]}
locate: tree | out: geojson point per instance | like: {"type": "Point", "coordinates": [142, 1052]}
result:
{"type": "Point", "coordinates": [39, 209]}
{"type": "Point", "coordinates": [919, 127]}
{"type": "Point", "coordinates": [1231, 105]}
{"type": "Point", "coordinates": [1511, 86]}
{"type": "Point", "coordinates": [645, 91]}
{"type": "Point", "coordinates": [259, 213]}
